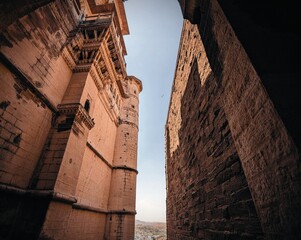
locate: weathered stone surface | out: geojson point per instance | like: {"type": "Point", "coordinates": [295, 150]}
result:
{"type": "Point", "coordinates": [266, 156]}
{"type": "Point", "coordinates": [68, 123]}
{"type": "Point", "coordinates": [21, 135]}
{"type": "Point", "coordinates": [207, 195]}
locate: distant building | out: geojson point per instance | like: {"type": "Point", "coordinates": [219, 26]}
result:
{"type": "Point", "coordinates": [68, 121]}
{"type": "Point", "coordinates": [233, 132]}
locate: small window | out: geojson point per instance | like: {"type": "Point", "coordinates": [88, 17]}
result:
{"type": "Point", "coordinates": [87, 105]}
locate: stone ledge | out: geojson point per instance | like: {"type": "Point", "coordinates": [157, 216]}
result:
{"type": "Point", "coordinates": [99, 155]}
{"type": "Point", "coordinates": [84, 207]}
{"type": "Point", "coordinates": [125, 168]}
{"type": "Point", "coordinates": [78, 110]}
{"type": "Point", "coordinates": [122, 212]}
{"type": "Point", "coordinates": [120, 121]}
{"type": "Point", "coordinates": [52, 195]}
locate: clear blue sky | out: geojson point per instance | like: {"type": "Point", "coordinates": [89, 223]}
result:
{"type": "Point", "coordinates": [152, 46]}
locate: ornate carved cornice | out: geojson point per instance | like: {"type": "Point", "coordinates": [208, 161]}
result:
{"type": "Point", "coordinates": [67, 56]}
{"type": "Point", "coordinates": [95, 47]}
{"type": "Point", "coordinates": [84, 42]}
{"type": "Point", "coordinates": [82, 68]}
{"type": "Point", "coordinates": [137, 81]}
{"type": "Point", "coordinates": [116, 53]}
{"type": "Point", "coordinates": [96, 77]}
{"type": "Point", "coordinates": [77, 110]}
{"type": "Point", "coordinates": [110, 105]}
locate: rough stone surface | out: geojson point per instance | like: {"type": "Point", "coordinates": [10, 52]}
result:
{"type": "Point", "coordinates": [207, 195]}
{"type": "Point", "coordinates": [17, 132]}
{"type": "Point", "coordinates": [234, 97]}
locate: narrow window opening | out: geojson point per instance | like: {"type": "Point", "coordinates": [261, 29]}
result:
{"type": "Point", "coordinates": [87, 105]}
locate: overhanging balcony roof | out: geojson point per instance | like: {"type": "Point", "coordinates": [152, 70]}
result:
{"type": "Point", "coordinates": [191, 10]}
{"type": "Point", "coordinates": [110, 7]}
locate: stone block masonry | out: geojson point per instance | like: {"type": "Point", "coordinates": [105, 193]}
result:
{"type": "Point", "coordinates": [21, 135]}
{"type": "Point", "coordinates": [207, 195]}
{"type": "Point", "coordinates": [226, 134]}
{"type": "Point", "coordinates": [68, 122]}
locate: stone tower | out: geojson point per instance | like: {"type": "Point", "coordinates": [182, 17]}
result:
{"type": "Point", "coordinates": [69, 122]}
{"type": "Point", "coordinates": [123, 183]}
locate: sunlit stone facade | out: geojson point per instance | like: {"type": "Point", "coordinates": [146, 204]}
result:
{"type": "Point", "coordinates": [68, 121]}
